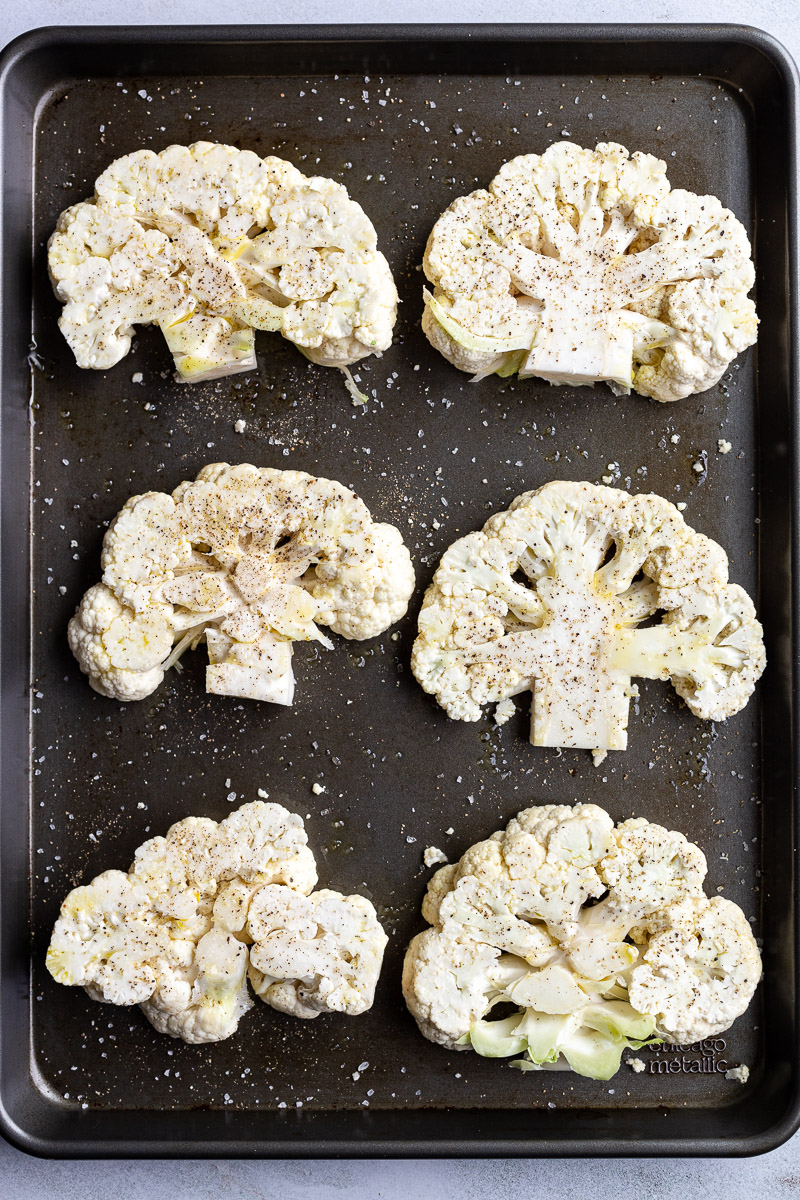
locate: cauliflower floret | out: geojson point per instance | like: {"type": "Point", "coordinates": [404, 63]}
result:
{"type": "Point", "coordinates": [600, 934]}
{"type": "Point", "coordinates": [597, 562]}
{"type": "Point", "coordinates": [106, 938]}
{"type": "Point", "coordinates": [211, 243]}
{"type": "Point", "coordinates": [121, 656]}
{"type": "Point", "coordinates": [579, 266]}
{"type": "Point", "coordinates": [446, 984]}
{"type": "Point", "coordinates": [250, 559]}
{"type": "Point", "coordinates": [203, 1000]}
{"type": "Point", "coordinates": [649, 865]}
{"type": "Point", "coordinates": [699, 970]}
{"type": "Point", "coordinates": [258, 842]}
{"type": "Point", "coordinates": [720, 683]}
{"type": "Point", "coordinates": [371, 588]}
{"type": "Point", "coordinates": [112, 275]}
{"type": "Point", "coordinates": [314, 954]}
{"type": "Point", "coordinates": [546, 862]}
{"type": "Point", "coordinates": [205, 906]}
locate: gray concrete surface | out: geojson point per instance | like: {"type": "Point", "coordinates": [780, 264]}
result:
{"type": "Point", "coordinates": [773, 1176]}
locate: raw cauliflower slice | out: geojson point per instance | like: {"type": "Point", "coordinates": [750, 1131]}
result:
{"type": "Point", "coordinates": [548, 598]}
{"type": "Point", "coordinates": [314, 954]}
{"type": "Point", "coordinates": [211, 243]}
{"type": "Point", "coordinates": [600, 935]}
{"type": "Point", "coordinates": [580, 266]}
{"type": "Point", "coordinates": [208, 905]}
{"type": "Point", "coordinates": [249, 559]}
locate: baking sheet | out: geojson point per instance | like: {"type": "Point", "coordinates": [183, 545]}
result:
{"type": "Point", "coordinates": [436, 455]}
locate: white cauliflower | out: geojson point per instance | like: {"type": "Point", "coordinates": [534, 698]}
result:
{"type": "Point", "coordinates": [579, 266]}
{"type": "Point", "coordinates": [594, 562]}
{"type": "Point", "coordinates": [601, 935]}
{"type": "Point", "coordinates": [249, 559]}
{"type": "Point", "coordinates": [212, 243]}
{"type": "Point", "coordinates": [203, 907]}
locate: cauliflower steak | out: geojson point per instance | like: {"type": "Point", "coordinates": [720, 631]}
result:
{"type": "Point", "coordinates": [580, 266]}
{"type": "Point", "coordinates": [211, 243]}
{"type": "Point", "coordinates": [601, 935]}
{"type": "Point", "coordinates": [548, 597]}
{"type": "Point", "coordinates": [205, 906]}
{"type": "Point", "coordinates": [250, 559]}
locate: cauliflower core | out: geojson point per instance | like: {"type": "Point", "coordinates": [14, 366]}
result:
{"type": "Point", "coordinates": [601, 935]}
{"type": "Point", "coordinates": [249, 558]}
{"type": "Point", "coordinates": [211, 243]}
{"type": "Point", "coordinates": [548, 597]}
{"type": "Point", "coordinates": [204, 906]}
{"type": "Point", "coordinates": [580, 266]}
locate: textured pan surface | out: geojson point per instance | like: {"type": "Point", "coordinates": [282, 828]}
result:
{"type": "Point", "coordinates": [435, 455]}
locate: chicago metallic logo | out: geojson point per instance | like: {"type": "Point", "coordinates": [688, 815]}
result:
{"type": "Point", "coordinates": [701, 1058]}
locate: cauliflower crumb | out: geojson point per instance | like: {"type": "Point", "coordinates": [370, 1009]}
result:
{"type": "Point", "coordinates": [239, 426]}
{"type": "Point", "coordinates": [137, 377]}
{"type": "Point", "coordinates": [724, 446]}
{"type": "Point", "coordinates": [741, 1074]}
{"type": "Point", "coordinates": [636, 1065]}
{"type": "Point", "coordinates": [504, 711]}
{"type": "Point", "coordinates": [264, 795]}
{"type": "Point", "coordinates": [681, 506]}
{"type": "Point", "coordinates": [450, 831]}
{"type": "Point", "coordinates": [317, 789]}
{"type": "Point", "coordinates": [676, 437]}
{"type": "Point", "coordinates": [699, 466]}
{"type": "Point", "coordinates": [433, 856]}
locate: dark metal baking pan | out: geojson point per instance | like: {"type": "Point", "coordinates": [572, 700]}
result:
{"type": "Point", "coordinates": [407, 118]}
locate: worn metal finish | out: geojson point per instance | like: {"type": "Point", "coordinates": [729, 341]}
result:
{"type": "Point", "coordinates": [407, 120]}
